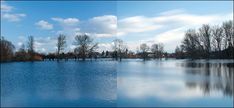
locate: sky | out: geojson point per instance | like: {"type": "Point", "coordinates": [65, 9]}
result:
{"type": "Point", "coordinates": [135, 22]}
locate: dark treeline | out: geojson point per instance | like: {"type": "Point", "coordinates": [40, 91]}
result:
{"type": "Point", "coordinates": [216, 42]}
{"type": "Point", "coordinates": [85, 48]}
{"type": "Point", "coordinates": [208, 42]}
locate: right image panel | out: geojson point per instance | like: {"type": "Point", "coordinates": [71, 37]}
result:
{"type": "Point", "coordinates": [175, 54]}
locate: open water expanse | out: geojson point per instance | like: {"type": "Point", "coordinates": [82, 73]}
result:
{"type": "Point", "coordinates": [131, 82]}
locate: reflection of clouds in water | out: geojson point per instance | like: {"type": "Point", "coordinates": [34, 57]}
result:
{"type": "Point", "coordinates": [214, 75]}
{"type": "Point", "coordinates": [168, 90]}
{"type": "Point", "coordinates": [176, 80]}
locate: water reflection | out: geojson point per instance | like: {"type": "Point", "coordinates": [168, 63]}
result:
{"type": "Point", "coordinates": [214, 76]}
{"type": "Point", "coordinates": [175, 83]}
{"type": "Point", "coordinates": [149, 83]}
{"type": "Point", "coordinates": [58, 84]}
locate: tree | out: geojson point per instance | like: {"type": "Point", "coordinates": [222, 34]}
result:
{"type": "Point", "coordinates": [31, 47]}
{"type": "Point", "coordinates": [144, 49]}
{"type": "Point", "coordinates": [209, 42]}
{"type": "Point", "coordinates": [217, 34]}
{"type": "Point", "coordinates": [21, 54]}
{"type": "Point", "coordinates": [205, 36]}
{"type": "Point", "coordinates": [191, 43]}
{"type": "Point", "coordinates": [107, 54]}
{"type": "Point", "coordinates": [179, 52]}
{"type": "Point", "coordinates": [119, 48]}
{"type": "Point", "coordinates": [7, 49]}
{"type": "Point", "coordinates": [103, 54]}
{"type": "Point", "coordinates": [155, 49]}
{"type": "Point", "coordinates": [228, 34]}
{"type": "Point", "coordinates": [84, 45]}
{"type": "Point", "coordinates": [161, 50]}
{"type": "Point", "coordinates": [61, 44]}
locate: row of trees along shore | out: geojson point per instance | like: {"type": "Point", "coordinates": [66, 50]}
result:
{"type": "Point", "coordinates": [209, 42]}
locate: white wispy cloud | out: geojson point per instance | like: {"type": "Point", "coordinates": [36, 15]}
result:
{"type": "Point", "coordinates": [13, 17]}
{"type": "Point", "coordinates": [44, 25]}
{"type": "Point", "coordinates": [102, 26]}
{"type": "Point", "coordinates": [136, 24]}
{"type": "Point", "coordinates": [99, 26]}
{"type": "Point", "coordinates": [67, 22]}
{"type": "Point", "coordinates": [5, 7]}
{"type": "Point", "coordinates": [8, 14]}
{"type": "Point", "coordinates": [69, 26]}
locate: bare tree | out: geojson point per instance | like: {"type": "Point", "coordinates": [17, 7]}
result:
{"type": "Point", "coordinates": [157, 50]}
{"type": "Point", "coordinates": [61, 44]}
{"type": "Point", "coordinates": [205, 36]}
{"type": "Point", "coordinates": [178, 52]}
{"type": "Point", "coordinates": [119, 47]}
{"type": "Point", "coordinates": [31, 47]}
{"type": "Point", "coordinates": [228, 34]}
{"type": "Point", "coordinates": [217, 34]}
{"type": "Point", "coordinates": [161, 49]}
{"type": "Point", "coordinates": [7, 49]}
{"type": "Point", "coordinates": [191, 43]}
{"type": "Point", "coordinates": [84, 45]}
{"type": "Point", "coordinates": [144, 49]}
{"type": "Point", "coordinates": [215, 41]}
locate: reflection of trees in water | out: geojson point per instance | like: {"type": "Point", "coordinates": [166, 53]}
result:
{"type": "Point", "coordinates": [212, 76]}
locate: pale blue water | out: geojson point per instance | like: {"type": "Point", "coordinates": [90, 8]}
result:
{"type": "Point", "coordinates": [132, 82]}
{"type": "Point", "coordinates": [177, 83]}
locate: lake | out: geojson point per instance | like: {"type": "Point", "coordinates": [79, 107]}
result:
{"type": "Point", "coordinates": [178, 83]}
{"type": "Point", "coordinates": [52, 83]}
{"type": "Point", "coordinates": [131, 82]}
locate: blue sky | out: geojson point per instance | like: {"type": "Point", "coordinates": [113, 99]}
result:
{"type": "Point", "coordinates": [134, 22]}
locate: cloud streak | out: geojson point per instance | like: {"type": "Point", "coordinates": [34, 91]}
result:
{"type": "Point", "coordinates": [44, 25]}
{"type": "Point", "coordinates": [8, 14]}
{"type": "Point", "coordinates": [5, 7]}
{"type": "Point", "coordinates": [13, 17]}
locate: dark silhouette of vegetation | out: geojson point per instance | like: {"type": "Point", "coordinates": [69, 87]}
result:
{"type": "Point", "coordinates": [208, 42]}
{"type": "Point", "coordinates": [31, 47]}
{"type": "Point", "coordinates": [157, 50]}
{"type": "Point", "coordinates": [7, 50]}
{"type": "Point", "coordinates": [144, 49]}
{"type": "Point", "coordinates": [119, 49]}
{"type": "Point", "coordinates": [85, 46]}
{"type": "Point", "coordinates": [21, 54]}
{"type": "Point", "coordinates": [8, 53]}
{"type": "Point", "coordinates": [61, 44]}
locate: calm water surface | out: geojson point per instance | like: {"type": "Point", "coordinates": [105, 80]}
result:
{"type": "Point", "coordinates": [72, 83]}
{"type": "Point", "coordinates": [110, 83]}
{"type": "Point", "coordinates": [165, 83]}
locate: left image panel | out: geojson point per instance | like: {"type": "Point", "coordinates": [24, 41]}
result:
{"type": "Point", "coordinates": [58, 54]}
